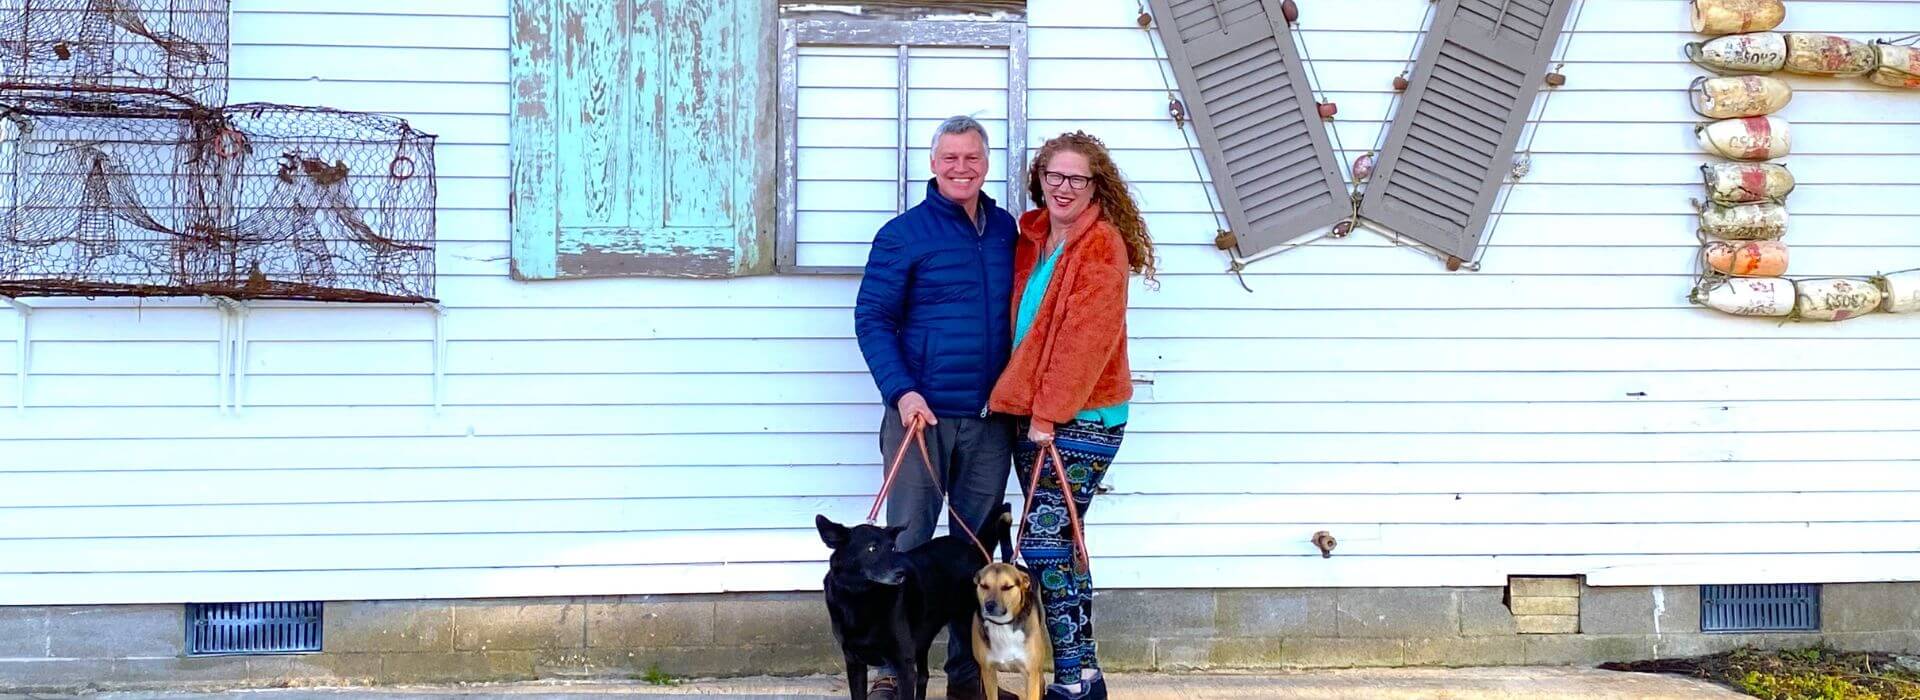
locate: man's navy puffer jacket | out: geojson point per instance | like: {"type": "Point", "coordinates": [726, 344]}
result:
{"type": "Point", "coordinates": [933, 314]}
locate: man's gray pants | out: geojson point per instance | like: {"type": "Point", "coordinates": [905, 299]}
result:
{"type": "Point", "coordinates": [973, 457]}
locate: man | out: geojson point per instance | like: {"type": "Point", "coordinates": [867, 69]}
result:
{"type": "Point", "coordinates": [933, 320]}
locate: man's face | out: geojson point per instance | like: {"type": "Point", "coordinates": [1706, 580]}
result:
{"type": "Point", "coordinates": [960, 166]}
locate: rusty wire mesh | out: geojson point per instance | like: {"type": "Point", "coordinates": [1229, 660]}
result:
{"type": "Point", "coordinates": [116, 51]}
{"type": "Point", "coordinates": [252, 201]}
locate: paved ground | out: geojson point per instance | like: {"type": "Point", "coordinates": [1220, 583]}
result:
{"type": "Point", "coordinates": [1520, 683]}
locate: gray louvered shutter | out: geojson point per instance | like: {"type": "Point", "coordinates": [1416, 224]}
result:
{"type": "Point", "coordinates": [1452, 139]}
{"type": "Point", "coordinates": [1247, 94]}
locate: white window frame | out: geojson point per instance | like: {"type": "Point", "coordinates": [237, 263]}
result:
{"type": "Point", "coordinates": [903, 35]}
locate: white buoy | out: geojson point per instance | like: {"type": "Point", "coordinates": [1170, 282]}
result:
{"type": "Point", "coordinates": [1739, 96]}
{"type": "Point", "coordinates": [1750, 138]}
{"type": "Point", "coordinates": [1744, 222]}
{"type": "Point", "coordinates": [1737, 16]}
{"type": "Point", "coordinates": [1834, 298]}
{"type": "Point", "coordinates": [1759, 52]}
{"type": "Point", "coordinates": [1746, 183]}
{"type": "Point", "coordinates": [1826, 54]}
{"type": "Point", "coordinates": [1750, 296]}
{"type": "Point", "coordinates": [1896, 66]}
{"type": "Point", "coordinates": [1900, 292]}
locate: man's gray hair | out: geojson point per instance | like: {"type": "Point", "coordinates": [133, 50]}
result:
{"type": "Point", "coordinates": [960, 124]}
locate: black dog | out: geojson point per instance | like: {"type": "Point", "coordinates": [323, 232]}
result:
{"type": "Point", "coordinates": [887, 605]}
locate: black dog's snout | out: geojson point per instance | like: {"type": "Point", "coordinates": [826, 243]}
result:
{"type": "Point", "coordinates": [890, 577]}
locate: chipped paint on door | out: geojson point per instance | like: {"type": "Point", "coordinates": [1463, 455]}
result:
{"type": "Point", "coordinates": [642, 138]}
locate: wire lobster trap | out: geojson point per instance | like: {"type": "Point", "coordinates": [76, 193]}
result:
{"type": "Point", "coordinates": [252, 201]}
{"type": "Point", "coordinates": [118, 51]}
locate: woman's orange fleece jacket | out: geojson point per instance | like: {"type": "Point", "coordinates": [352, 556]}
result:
{"type": "Point", "coordinates": [1075, 355]}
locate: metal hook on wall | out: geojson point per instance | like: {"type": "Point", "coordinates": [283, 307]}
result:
{"type": "Point", "coordinates": [23, 350]}
{"type": "Point", "coordinates": [439, 354]}
{"type": "Point", "coordinates": [232, 353]}
{"type": "Point", "coordinates": [234, 349]}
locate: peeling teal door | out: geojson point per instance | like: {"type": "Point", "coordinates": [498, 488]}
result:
{"type": "Point", "coordinates": [643, 138]}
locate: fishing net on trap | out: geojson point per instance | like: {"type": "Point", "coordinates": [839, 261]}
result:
{"type": "Point", "coordinates": [119, 51]}
{"type": "Point", "coordinates": [252, 201]}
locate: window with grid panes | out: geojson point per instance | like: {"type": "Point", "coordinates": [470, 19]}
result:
{"type": "Point", "coordinates": [860, 100]}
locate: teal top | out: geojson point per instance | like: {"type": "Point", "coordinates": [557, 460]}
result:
{"type": "Point", "coordinates": [1030, 298]}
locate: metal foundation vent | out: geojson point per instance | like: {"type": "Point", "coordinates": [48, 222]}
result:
{"type": "Point", "coordinates": [1760, 607]}
{"type": "Point", "coordinates": [252, 628]}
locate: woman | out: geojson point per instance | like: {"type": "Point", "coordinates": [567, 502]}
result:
{"type": "Point", "coordinates": [1068, 381]}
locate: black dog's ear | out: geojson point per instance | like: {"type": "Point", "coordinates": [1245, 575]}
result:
{"type": "Point", "coordinates": [833, 534]}
{"type": "Point", "coordinates": [893, 533]}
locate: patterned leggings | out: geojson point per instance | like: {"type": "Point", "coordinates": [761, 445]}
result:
{"type": "Point", "coordinates": [1047, 546]}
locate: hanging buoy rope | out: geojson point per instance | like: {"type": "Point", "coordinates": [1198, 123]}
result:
{"type": "Point", "coordinates": [1523, 158]}
{"type": "Point", "coordinates": [1326, 109]}
{"type": "Point", "coordinates": [1368, 161]}
{"type": "Point", "coordinates": [1523, 163]}
{"type": "Point", "coordinates": [1177, 111]}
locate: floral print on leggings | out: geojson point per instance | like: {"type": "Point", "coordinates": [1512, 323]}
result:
{"type": "Point", "coordinates": [1047, 543]}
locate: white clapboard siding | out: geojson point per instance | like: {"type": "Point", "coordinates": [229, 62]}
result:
{"type": "Point", "coordinates": [1564, 410]}
{"type": "Point", "coordinates": [1127, 516]}
{"type": "Point", "coordinates": [107, 556]}
{"type": "Point", "coordinates": [1462, 484]}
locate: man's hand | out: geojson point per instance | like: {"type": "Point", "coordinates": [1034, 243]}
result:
{"type": "Point", "coordinates": [911, 405]}
{"type": "Point", "coordinates": [1040, 432]}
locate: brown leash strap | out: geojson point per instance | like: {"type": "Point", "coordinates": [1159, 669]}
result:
{"type": "Point", "coordinates": [1066, 489]}
{"type": "Point", "coordinates": [916, 432]}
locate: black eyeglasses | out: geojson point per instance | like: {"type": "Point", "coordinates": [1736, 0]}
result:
{"type": "Point", "coordinates": [1053, 179]}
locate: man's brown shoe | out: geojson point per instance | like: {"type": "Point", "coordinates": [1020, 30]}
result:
{"type": "Point", "coordinates": [883, 688]}
{"type": "Point", "coordinates": [973, 690]}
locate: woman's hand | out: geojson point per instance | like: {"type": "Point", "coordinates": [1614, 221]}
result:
{"type": "Point", "coordinates": [1040, 432]}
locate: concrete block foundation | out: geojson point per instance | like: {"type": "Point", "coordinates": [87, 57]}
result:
{"type": "Point", "coordinates": [64, 648]}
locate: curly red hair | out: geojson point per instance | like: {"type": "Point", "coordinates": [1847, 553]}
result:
{"type": "Point", "coordinates": [1111, 193]}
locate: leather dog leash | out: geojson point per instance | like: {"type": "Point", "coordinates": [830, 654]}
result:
{"type": "Point", "coordinates": [916, 432]}
{"type": "Point", "coordinates": [1066, 489]}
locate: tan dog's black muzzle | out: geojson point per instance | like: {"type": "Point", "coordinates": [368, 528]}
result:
{"type": "Point", "coordinates": [1002, 590]}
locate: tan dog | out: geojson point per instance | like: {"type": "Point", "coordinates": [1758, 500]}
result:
{"type": "Point", "coordinates": [1009, 631]}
